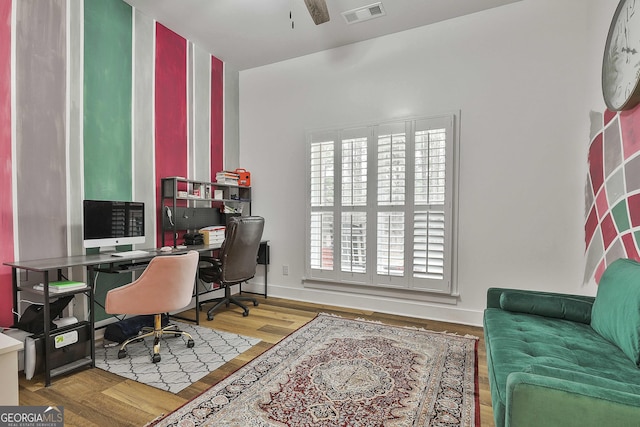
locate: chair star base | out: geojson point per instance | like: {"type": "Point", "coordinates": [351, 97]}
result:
{"type": "Point", "coordinates": [157, 332]}
{"type": "Point", "coordinates": [228, 300]}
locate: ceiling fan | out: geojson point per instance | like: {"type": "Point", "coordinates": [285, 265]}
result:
{"type": "Point", "coordinates": [318, 11]}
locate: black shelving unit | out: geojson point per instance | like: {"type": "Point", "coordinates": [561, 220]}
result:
{"type": "Point", "coordinates": [195, 204]}
{"type": "Point", "coordinates": [73, 360]}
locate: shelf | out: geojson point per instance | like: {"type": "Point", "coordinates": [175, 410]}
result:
{"type": "Point", "coordinates": [202, 199]}
{"type": "Point", "coordinates": [30, 289]}
{"type": "Point", "coordinates": [85, 361]}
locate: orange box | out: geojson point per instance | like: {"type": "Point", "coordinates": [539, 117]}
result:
{"type": "Point", "coordinates": [244, 177]}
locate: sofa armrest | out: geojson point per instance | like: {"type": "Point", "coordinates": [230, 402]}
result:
{"type": "Point", "coordinates": [537, 400]}
{"type": "Point", "coordinates": [493, 296]}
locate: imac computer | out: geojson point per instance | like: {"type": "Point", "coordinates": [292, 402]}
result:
{"type": "Point", "coordinates": [109, 223]}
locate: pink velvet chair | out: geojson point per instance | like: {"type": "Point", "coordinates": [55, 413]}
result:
{"type": "Point", "coordinates": [165, 285]}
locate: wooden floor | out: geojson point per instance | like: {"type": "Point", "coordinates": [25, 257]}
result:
{"type": "Point", "coordinates": [93, 397]}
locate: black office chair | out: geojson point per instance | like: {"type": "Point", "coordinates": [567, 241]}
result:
{"type": "Point", "coordinates": [236, 263]}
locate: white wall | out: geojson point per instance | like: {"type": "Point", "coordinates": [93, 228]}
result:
{"type": "Point", "coordinates": [524, 77]}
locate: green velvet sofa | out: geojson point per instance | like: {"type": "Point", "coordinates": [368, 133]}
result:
{"type": "Point", "coordinates": [566, 360]}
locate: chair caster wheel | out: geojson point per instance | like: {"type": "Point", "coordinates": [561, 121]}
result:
{"type": "Point", "coordinates": [122, 354]}
{"type": "Point", "coordinates": [255, 303]}
{"type": "Point", "coordinates": [209, 317]}
{"type": "Point", "coordinates": [190, 344]}
{"type": "Point", "coordinates": [245, 313]}
{"type": "Point", "coordinates": [155, 358]}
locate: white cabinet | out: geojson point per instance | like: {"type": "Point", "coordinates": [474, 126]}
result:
{"type": "Point", "coordinates": [9, 348]}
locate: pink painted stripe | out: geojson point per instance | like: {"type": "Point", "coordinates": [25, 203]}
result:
{"type": "Point", "coordinates": [170, 108]}
{"type": "Point", "coordinates": [6, 207]}
{"type": "Point", "coordinates": [217, 116]}
{"type": "Point", "coordinates": [630, 124]}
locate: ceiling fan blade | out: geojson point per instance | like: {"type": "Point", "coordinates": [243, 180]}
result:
{"type": "Point", "coordinates": [318, 10]}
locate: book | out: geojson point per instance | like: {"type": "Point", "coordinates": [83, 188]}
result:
{"type": "Point", "coordinates": [228, 174]}
{"type": "Point", "coordinates": [61, 286]}
{"type": "Point", "coordinates": [227, 177]}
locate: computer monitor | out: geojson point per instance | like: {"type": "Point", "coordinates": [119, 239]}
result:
{"type": "Point", "coordinates": [112, 223]}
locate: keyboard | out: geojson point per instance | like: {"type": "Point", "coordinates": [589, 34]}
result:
{"type": "Point", "coordinates": [130, 253]}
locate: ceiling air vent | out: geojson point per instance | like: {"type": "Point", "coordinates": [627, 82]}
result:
{"type": "Point", "coordinates": [363, 13]}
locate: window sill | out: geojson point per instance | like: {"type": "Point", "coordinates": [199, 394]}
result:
{"type": "Point", "coordinates": [382, 291]}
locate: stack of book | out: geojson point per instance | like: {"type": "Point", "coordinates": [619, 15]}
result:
{"type": "Point", "coordinates": [227, 177]}
{"type": "Point", "coordinates": [61, 286]}
{"type": "Point", "coordinates": [213, 235]}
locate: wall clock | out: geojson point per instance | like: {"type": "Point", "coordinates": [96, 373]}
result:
{"type": "Point", "coordinates": [621, 62]}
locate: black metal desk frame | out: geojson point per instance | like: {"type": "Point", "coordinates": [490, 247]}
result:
{"type": "Point", "coordinates": [92, 263]}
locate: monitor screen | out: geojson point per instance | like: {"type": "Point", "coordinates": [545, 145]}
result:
{"type": "Point", "coordinates": [112, 223]}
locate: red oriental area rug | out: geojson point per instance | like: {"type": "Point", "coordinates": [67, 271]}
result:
{"type": "Point", "coordinates": [341, 372]}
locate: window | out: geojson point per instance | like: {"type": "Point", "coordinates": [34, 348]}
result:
{"type": "Point", "coordinates": [380, 206]}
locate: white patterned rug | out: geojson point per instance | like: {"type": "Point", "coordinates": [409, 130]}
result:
{"type": "Point", "coordinates": [340, 372]}
{"type": "Point", "coordinates": [180, 366]}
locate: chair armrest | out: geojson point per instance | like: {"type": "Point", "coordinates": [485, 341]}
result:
{"type": "Point", "coordinates": [534, 400]}
{"type": "Point", "coordinates": [209, 269]}
{"type": "Point", "coordinates": [209, 262]}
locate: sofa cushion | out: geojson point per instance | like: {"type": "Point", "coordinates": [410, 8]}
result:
{"type": "Point", "coordinates": [557, 307]}
{"type": "Point", "coordinates": [616, 309]}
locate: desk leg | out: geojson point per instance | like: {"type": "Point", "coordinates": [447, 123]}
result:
{"type": "Point", "coordinates": [47, 331]}
{"type": "Point", "coordinates": [195, 286]}
{"type": "Point", "coordinates": [92, 319]}
{"type": "Point", "coordinates": [14, 280]}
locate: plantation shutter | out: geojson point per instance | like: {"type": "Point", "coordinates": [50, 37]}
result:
{"type": "Point", "coordinates": [380, 205]}
{"type": "Point", "coordinates": [322, 200]}
{"type": "Point", "coordinates": [353, 207]}
{"type": "Point", "coordinates": [433, 216]}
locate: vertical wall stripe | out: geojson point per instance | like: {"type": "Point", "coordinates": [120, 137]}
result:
{"type": "Point", "coordinates": [75, 175]}
{"type": "Point", "coordinates": [170, 106]}
{"type": "Point", "coordinates": [6, 195]}
{"type": "Point", "coordinates": [201, 113]}
{"type": "Point", "coordinates": [107, 100]}
{"type": "Point", "coordinates": [40, 128]}
{"type": "Point", "coordinates": [231, 117]}
{"type": "Point", "coordinates": [191, 113]}
{"type": "Point", "coordinates": [75, 149]}
{"type": "Point", "coordinates": [144, 178]}
{"type": "Point", "coordinates": [217, 115]}
{"type": "Point", "coordinates": [107, 112]}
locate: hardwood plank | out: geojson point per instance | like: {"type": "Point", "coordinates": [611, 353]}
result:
{"type": "Point", "coordinates": [93, 397]}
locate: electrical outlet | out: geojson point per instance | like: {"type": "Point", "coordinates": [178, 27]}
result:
{"type": "Point", "coordinates": [285, 270]}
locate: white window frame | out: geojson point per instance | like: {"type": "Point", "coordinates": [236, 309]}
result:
{"type": "Point", "coordinates": [443, 282]}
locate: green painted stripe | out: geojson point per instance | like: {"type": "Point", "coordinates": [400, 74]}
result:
{"type": "Point", "coordinates": [107, 99]}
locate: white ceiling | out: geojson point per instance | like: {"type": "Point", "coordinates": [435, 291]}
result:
{"type": "Point", "coordinates": [251, 33]}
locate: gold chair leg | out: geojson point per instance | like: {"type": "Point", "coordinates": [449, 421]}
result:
{"type": "Point", "coordinates": [122, 353]}
{"type": "Point", "coordinates": [157, 332]}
